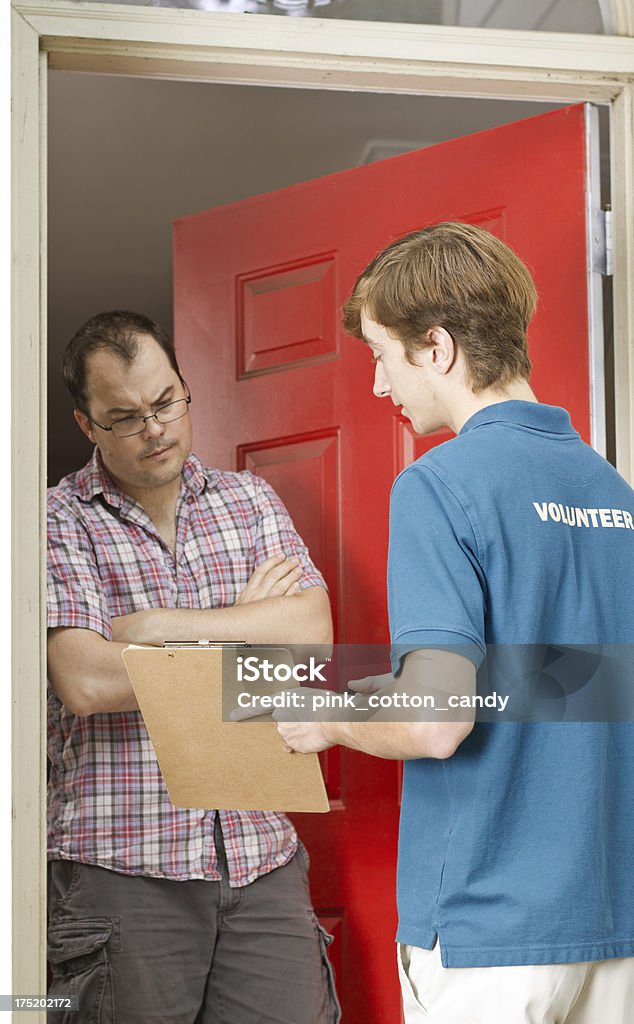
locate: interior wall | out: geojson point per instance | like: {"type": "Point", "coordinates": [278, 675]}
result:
{"type": "Point", "coordinates": [128, 155]}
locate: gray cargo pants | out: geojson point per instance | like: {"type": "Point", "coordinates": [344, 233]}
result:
{"type": "Point", "coordinates": [139, 950]}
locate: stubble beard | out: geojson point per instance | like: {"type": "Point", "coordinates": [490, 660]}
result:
{"type": "Point", "coordinates": [160, 475]}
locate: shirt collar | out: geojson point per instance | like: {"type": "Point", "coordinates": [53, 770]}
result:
{"type": "Point", "coordinates": [548, 419]}
{"type": "Point", "coordinates": [195, 479]}
{"type": "Point", "coordinates": [93, 480]}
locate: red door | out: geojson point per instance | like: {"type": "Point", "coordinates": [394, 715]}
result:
{"type": "Point", "coordinates": [279, 390]}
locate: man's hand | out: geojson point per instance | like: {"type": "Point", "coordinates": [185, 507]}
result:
{"type": "Point", "coordinates": [312, 737]}
{"type": "Point", "coordinates": [303, 737]}
{"type": "Point", "coordinates": [277, 576]}
{"type": "Point", "coordinates": [297, 734]}
{"type": "Point", "coordinates": [372, 684]}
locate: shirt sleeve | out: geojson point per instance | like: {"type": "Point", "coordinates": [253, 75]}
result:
{"type": "Point", "coordinates": [436, 585]}
{"type": "Point", "coordinates": [277, 534]}
{"type": "Point", "coordinates": [75, 592]}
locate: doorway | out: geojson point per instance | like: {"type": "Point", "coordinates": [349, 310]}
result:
{"type": "Point", "coordinates": [217, 48]}
{"type": "Point", "coordinates": [116, 251]}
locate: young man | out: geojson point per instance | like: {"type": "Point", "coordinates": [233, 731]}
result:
{"type": "Point", "coordinates": [159, 914]}
{"type": "Point", "coordinates": [516, 849]}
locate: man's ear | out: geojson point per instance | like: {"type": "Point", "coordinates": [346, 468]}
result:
{"type": "Point", "coordinates": [442, 349]}
{"type": "Point", "coordinates": [85, 425]}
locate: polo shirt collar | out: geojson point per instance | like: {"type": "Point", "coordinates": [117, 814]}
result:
{"type": "Point", "coordinates": [93, 480]}
{"type": "Point", "coordinates": [547, 419]}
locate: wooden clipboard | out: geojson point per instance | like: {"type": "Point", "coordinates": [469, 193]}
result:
{"type": "Point", "coordinates": [207, 762]}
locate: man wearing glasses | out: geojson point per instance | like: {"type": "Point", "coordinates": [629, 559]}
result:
{"type": "Point", "coordinates": [158, 913]}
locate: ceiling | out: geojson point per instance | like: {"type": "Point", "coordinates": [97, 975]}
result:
{"type": "Point", "coordinates": [538, 15]}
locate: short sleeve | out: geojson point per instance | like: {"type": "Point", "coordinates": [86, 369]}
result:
{"type": "Point", "coordinates": [75, 592]}
{"type": "Point", "coordinates": [277, 534]}
{"type": "Point", "coordinates": [436, 586]}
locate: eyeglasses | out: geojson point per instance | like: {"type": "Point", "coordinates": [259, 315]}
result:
{"type": "Point", "coordinates": [131, 425]}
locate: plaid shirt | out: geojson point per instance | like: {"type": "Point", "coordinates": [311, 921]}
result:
{"type": "Point", "coordinates": [108, 804]}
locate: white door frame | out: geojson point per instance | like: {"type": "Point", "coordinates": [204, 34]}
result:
{"type": "Point", "coordinates": [246, 49]}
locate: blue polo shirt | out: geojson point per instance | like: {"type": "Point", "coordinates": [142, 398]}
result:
{"type": "Point", "coordinates": [519, 849]}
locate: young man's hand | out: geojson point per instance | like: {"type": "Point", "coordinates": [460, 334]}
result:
{"type": "Point", "coordinates": [297, 734]}
{"type": "Point", "coordinates": [302, 737]}
{"type": "Point", "coordinates": [371, 684]}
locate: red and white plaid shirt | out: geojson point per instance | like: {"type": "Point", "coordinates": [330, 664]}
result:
{"type": "Point", "coordinates": [108, 804]}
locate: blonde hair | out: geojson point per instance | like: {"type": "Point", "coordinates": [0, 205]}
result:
{"type": "Point", "coordinates": [460, 277]}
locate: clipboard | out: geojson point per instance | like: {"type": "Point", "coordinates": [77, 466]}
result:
{"type": "Point", "coordinates": [207, 762]}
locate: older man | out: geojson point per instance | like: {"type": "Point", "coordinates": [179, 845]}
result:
{"type": "Point", "coordinates": [159, 914]}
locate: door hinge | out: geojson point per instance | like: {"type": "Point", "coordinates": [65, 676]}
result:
{"type": "Point", "coordinates": [609, 242]}
{"type": "Point", "coordinates": [603, 243]}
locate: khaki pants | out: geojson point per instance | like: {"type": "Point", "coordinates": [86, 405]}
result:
{"type": "Point", "coordinates": [600, 992]}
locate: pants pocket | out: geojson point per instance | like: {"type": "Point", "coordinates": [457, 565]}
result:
{"type": "Point", "coordinates": [413, 1009]}
{"type": "Point", "coordinates": [80, 965]}
{"type": "Point", "coordinates": [63, 876]}
{"type": "Point", "coordinates": [333, 1009]}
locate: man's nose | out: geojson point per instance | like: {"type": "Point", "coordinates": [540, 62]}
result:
{"type": "Point", "coordinates": [381, 385]}
{"type": "Point", "coordinates": [153, 428]}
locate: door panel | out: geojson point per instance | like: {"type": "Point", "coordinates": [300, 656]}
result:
{"type": "Point", "coordinates": [278, 389]}
{"type": "Point", "coordinates": [305, 469]}
{"type": "Point", "coordinates": [285, 316]}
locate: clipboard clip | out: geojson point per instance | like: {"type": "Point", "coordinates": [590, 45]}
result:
{"type": "Point", "coordinates": [204, 644]}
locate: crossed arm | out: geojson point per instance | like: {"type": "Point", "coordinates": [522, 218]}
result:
{"type": "Point", "coordinates": [87, 672]}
